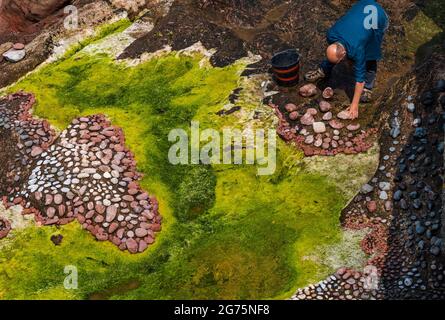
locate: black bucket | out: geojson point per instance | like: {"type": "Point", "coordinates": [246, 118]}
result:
{"type": "Point", "coordinates": [286, 68]}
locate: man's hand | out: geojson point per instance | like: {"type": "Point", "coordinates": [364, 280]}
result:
{"type": "Point", "coordinates": [353, 111]}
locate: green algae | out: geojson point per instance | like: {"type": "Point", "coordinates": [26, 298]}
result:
{"type": "Point", "coordinates": [425, 30]}
{"type": "Point", "coordinates": [234, 235]}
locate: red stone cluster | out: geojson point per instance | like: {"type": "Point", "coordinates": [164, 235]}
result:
{"type": "Point", "coordinates": [358, 143]}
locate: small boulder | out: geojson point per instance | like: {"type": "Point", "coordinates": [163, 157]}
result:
{"type": "Point", "coordinates": [18, 46]}
{"type": "Point", "coordinates": [319, 127]}
{"type": "Point", "coordinates": [325, 106]}
{"type": "Point", "coordinates": [353, 127]}
{"type": "Point", "coordinates": [14, 56]}
{"type": "Point", "coordinates": [308, 90]}
{"type": "Point", "coordinates": [336, 124]}
{"type": "Point", "coordinates": [344, 115]}
{"type": "Point", "coordinates": [307, 119]}
{"type": "Point", "coordinates": [327, 116]}
{"type": "Point", "coordinates": [293, 115]}
{"type": "Point", "coordinates": [309, 139]}
{"type": "Point", "coordinates": [328, 93]}
{"type": "Point", "coordinates": [290, 107]}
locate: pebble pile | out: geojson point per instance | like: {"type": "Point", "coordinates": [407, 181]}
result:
{"type": "Point", "coordinates": [318, 130]}
{"type": "Point", "coordinates": [86, 174]}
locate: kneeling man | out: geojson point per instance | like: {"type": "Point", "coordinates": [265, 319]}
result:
{"type": "Point", "coordinates": [357, 36]}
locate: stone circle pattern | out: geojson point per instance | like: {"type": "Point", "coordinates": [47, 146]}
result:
{"type": "Point", "coordinates": [86, 174]}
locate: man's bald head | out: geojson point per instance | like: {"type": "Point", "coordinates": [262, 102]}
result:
{"type": "Point", "coordinates": [335, 53]}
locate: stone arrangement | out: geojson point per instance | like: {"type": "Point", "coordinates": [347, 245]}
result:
{"type": "Point", "coordinates": [319, 128]}
{"type": "Point", "coordinates": [401, 207]}
{"type": "Point", "coordinates": [345, 284]}
{"type": "Point", "coordinates": [87, 174]}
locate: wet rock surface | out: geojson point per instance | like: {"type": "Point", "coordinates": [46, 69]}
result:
{"type": "Point", "coordinates": [86, 173]}
{"type": "Point", "coordinates": [38, 25]}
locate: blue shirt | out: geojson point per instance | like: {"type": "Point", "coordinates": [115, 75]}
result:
{"type": "Point", "coordinates": [360, 35]}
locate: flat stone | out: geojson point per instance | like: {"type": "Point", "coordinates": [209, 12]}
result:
{"type": "Point", "coordinates": [140, 232]}
{"type": "Point", "coordinates": [111, 213]}
{"type": "Point", "coordinates": [142, 246]}
{"type": "Point", "coordinates": [328, 93]}
{"type": "Point", "coordinates": [383, 195]}
{"type": "Point", "coordinates": [50, 212]}
{"type": "Point", "coordinates": [290, 107]}
{"type": "Point", "coordinates": [327, 116]}
{"type": "Point", "coordinates": [14, 55]}
{"type": "Point", "coordinates": [325, 106]}
{"type": "Point", "coordinates": [307, 119]}
{"type": "Point", "coordinates": [353, 127]}
{"type": "Point", "coordinates": [132, 245]}
{"type": "Point", "coordinates": [398, 195]}
{"type": "Point", "coordinates": [319, 127]}
{"type": "Point", "coordinates": [308, 90]}
{"type": "Point", "coordinates": [293, 115]}
{"type": "Point", "coordinates": [312, 111]}
{"type": "Point", "coordinates": [5, 47]}
{"type": "Point", "coordinates": [336, 124]}
{"type": "Point", "coordinates": [344, 115]}
{"type": "Point", "coordinates": [58, 199]}
{"type": "Point", "coordinates": [100, 208]}
{"type": "Point", "coordinates": [35, 151]}
{"type": "Point", "coordinates": [385, 186]}
{"type": "Point", "coordinates": [371, 206]}
{"type": "Point", "coordinates": [18, 46]}
{"type": "Point", "coordinates": [309, 139]}
{"type": "Point", "coordinates": [366, 188]}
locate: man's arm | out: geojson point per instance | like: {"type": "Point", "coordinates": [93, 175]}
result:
{"type": "Point", "coordinates": [360, 73]}
{"type": "Point", "coordinates": [353, 109]}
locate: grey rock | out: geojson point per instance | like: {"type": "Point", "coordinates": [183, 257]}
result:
{"type": "Point", "coordinates": [366, 188]}
{"type": "Point", "coordinates": [383, 195]}
{"type": "Point", "coordinates": [14, 56]}
{"type": "Point", "coordinates": [384, 186]}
